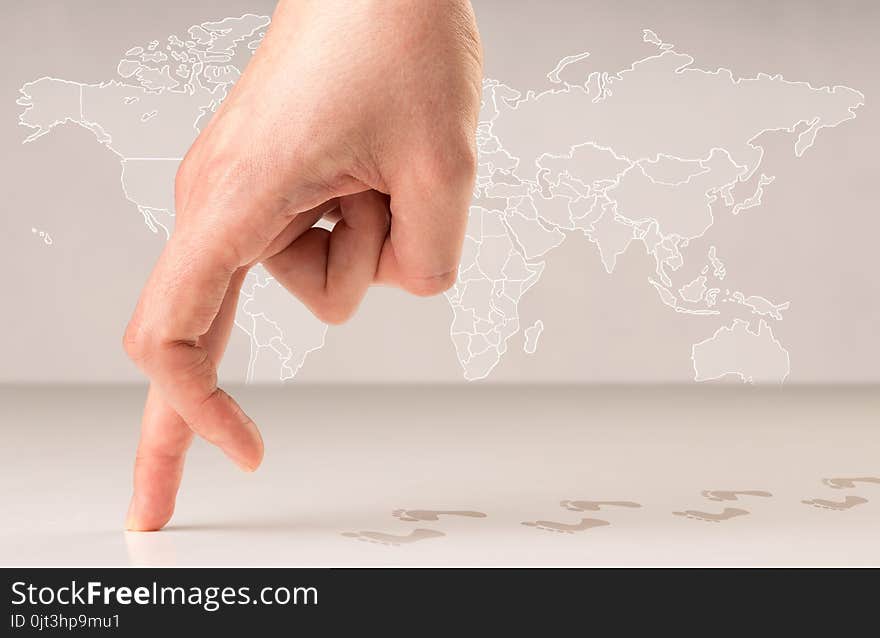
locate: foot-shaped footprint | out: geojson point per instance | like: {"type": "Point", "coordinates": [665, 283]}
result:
{"type": "Point", "coordinates": [842, 483]}
{"type": "Point", "coordinates": [732, 495]}
{"type": "Point", "coordinates": [595, 506]}
{"type": "Point", "coordinates": [433, 515]}
{"type": "Point", "coordinates": [847, 503]}
{"type": "Point", "coordinates": [393, 539]}
{"type": "Point", "coordinates": [567, 528]}
{"type": "Point", "coordinates": [709, 517]}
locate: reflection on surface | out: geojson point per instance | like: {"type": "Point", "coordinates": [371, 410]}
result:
{"type": "Point", "coordinates": [595, 506]}
{"type": "Point", "coordinates": [841, 483]}
{"type": "Point", "coordinates": [567, 528]}
{"type": "Point", "coordinates": [433, 515]}
{"type": "Point", "coordinates": [709, 517]}
{"type": "Point", "coordinates": [150, 549]}
{"type": "Point", "coordinates": [393, 539]}
{"type": "Point", "coordinates": [825, 504]}
{"type": "Point", "coordinates": [731, 495]}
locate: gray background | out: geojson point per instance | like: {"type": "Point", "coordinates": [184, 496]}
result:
{"type": "Point", "coordinates": [813, 240]}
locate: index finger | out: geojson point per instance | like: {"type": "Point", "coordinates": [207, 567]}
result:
{"type": "Point", "coordinates": [178, 306]}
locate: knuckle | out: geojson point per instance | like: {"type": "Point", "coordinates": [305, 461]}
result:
{"type": "Point", "coordinates": [193, 363]}
{"type": "Point", "coordinates": [226, 168]}
{"type": "Point", "coordinates": [454, 164]}
{"type": "Point", "coordinates": [136, 342]}
{"type": "Point", "coordinates": [467, 160]}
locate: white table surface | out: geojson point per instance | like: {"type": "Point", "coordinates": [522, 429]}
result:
{"type": "Point", "coordinates": [339, 461]}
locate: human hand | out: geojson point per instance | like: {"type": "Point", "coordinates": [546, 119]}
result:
{"type": "Point", "coordinates": [361, 109]}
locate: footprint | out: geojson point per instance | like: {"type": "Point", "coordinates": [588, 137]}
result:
{"type": "Point", "coordinates": [730, 495]}
{"type": "Point", "coordinates": [567, 528]}
{"type": "Point", "coordinates": [845, 504]}
{"type": "Point", "coordinates": [841, 483]}
{"type": "Point", "coordinates": [433, 515]}
{"type": "Point", "coordinates": [595, 506]}
{"type": "Point", "coordinates": [393, 539]}
{"type": "Point", "coordinates": [727, 514]}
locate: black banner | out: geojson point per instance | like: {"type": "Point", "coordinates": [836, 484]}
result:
{"type": "Point", "coordinates": [147, 601]}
